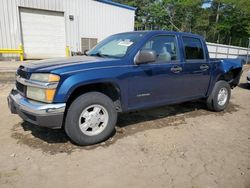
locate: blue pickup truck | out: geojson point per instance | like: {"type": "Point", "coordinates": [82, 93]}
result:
{"type": "Point", "coordinates": [125, 72]}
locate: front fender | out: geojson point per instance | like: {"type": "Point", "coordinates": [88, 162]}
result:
{"type": "Point", "coordinates": [71, 82]}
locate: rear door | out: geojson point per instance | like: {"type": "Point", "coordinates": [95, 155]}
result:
{"type": "Point", "coordinates": [196, 67]}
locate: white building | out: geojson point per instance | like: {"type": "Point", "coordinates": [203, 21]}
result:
{"type": "Point", "coordinates": [46, 27]}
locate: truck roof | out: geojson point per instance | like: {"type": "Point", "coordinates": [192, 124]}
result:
{"type": "Point", "coordinates": [155, 32]}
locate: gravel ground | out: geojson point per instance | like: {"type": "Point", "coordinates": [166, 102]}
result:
{"type": "Point", "coordinates": [181, 145]}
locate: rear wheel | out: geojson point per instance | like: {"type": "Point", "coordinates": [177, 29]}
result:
{"type": "Point", "coordinates": [219, 98]}
{"type": "Point", "coordinates": [91, 118]}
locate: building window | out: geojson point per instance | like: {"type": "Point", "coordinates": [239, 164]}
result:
{"type": "Point", "coordinates": [88, 43]}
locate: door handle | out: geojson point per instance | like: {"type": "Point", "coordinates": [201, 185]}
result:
{"type": "Point", "coordinates": [176, 69]}
{"type": "Point", "coordinates": [204, 67]}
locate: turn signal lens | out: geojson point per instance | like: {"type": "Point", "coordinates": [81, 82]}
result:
{"type": "Point", "coordinates": [50, 93]}
{"type": "Point", "coordinates": [53, 78]}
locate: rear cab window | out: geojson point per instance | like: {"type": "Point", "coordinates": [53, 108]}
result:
{"type": "Point", "coordinates": [193, 48]}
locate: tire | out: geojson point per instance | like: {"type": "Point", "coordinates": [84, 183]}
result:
{"type": "Point", "coordinates": [213, 102]}
{"type": "Point", "coordinates": [90, 119]}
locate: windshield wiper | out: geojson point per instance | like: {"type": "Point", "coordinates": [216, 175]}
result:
{"type": "Point", "coordinates": [100, 55]}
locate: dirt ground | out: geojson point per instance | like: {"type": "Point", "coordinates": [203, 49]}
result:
{"type": "Point", "coordinates": [181, 145]}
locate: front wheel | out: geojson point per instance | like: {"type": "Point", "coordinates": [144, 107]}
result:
{"type": "Point", "coordinates": [219, 98]}
{"type": "Point", "coordinates": [90, 119]}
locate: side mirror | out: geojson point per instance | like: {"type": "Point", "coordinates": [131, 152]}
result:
{"type": "Point", "coordinates": [85, 52]}
{"type": "Point", "coordinates": [145, 56]}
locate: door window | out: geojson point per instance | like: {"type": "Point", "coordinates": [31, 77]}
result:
{"type": "Point", "coordinates": [165, 48]}
{"type": "Point", "coordinates": [193, 48]}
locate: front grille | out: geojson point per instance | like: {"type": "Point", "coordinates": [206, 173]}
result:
{"type": "Point", "coordinates": [23, 74]}
{"type": "Point", "coordinates": [21, 88]}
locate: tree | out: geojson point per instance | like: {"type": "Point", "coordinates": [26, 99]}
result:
{"type": "Point", "coordinates": [224, 21]}
{"type": "Point", "coordinates": [231, 26]}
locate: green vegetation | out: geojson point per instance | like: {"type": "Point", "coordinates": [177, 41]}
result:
{"type": "Point", "coordinates": [222, 21]}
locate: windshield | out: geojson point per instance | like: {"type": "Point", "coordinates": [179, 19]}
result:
{"type": "Point", "coordinates": [116, 46]}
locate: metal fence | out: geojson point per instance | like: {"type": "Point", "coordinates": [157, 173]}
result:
{"type": "Point", "coordinates": [227, 51]}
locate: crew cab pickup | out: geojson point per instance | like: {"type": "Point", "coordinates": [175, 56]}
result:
{"type": "Point", "coordinates": [125, 72]}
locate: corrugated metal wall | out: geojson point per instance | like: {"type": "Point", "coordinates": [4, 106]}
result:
{"type": "Point", "coordinates": [92, 19]}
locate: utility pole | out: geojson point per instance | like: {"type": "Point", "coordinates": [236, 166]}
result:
{"type": "Point", "coordinates": [230, 39]}
{"type": "Point", "coordinates": [248, 49]}
{"type": "Point", "coordinates": [217, 19]}
{"type": "Point", "coordinates": [218, 39]}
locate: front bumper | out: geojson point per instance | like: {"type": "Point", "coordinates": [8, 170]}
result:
{"type": "Point", "coordinates": [41, 114]}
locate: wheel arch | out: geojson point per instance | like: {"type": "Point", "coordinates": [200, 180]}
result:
{"type": "Point", "coordinates": [112, 90]}
{"type": "Point", "coordinates": [232, 77]}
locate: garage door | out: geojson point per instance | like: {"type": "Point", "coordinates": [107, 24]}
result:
{"type": "Point", "coordinates": [43, 33]}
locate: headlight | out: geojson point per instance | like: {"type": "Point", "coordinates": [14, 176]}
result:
{"type": "Point", "coordinates": [43, 77]}
{"type": "Point", "coordinates": [42, 94]}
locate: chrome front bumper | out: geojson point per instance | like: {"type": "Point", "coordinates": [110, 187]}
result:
{"type": "Point", "coordinates": [42, 114]}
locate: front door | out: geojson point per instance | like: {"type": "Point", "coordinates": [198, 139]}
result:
{"type": "Point", "coordinates": [159, 82]}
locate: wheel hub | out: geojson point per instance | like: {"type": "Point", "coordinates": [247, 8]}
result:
{"type": "Point", "coordinates": [93, 120]}
{"type": "Point", "coordinates": [222, 96]}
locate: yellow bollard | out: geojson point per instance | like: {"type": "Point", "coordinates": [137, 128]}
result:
{"type": "Point", "coordinates": [21, 52]}
{"type": "Point", "coordinates": [67, 51]}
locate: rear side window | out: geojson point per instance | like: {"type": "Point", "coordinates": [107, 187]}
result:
{"type": "Point", "coordinates": [193, 48]}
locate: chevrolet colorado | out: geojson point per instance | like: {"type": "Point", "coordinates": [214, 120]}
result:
{"type": "Point", "coordinates": [125, 72]}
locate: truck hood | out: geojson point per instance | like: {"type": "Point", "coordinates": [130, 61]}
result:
{"type": "Point", "coordinates": [57, 64]}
